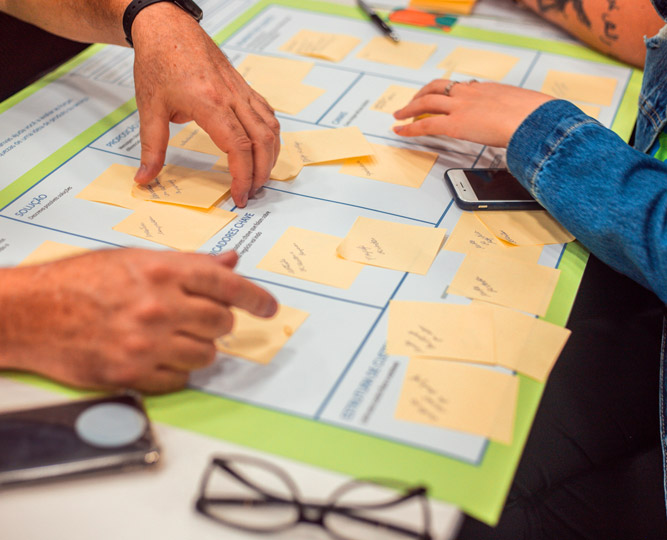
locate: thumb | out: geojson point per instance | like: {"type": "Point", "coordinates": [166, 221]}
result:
{"type": "Point", "coordinates": [154, 134]}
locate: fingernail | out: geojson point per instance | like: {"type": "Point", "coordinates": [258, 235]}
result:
{"type": "Point", "coordinates": [398, 129]}
{"type": "Point", "coordinates": [142, 171]}
{"type": "Point", "coordinates": [271, 308]}
{"type": "Point", "coordinates": [244, 200]}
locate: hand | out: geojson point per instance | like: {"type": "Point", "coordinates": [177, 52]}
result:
{"type": "Point", "coordinates": [125, 318]}
{"type": "Point", "coordinates": [181, 75]}
{"type": "Point", "coordinates": [484, 113]}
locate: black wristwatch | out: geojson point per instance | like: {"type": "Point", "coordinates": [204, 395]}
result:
{"type": "Point", "coordinates": [136, 6]}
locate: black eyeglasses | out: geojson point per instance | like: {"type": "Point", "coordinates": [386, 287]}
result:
{"type": "Point", "coordinates": [257, 496]}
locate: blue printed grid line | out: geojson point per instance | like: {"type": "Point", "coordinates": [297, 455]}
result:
{"type": "Point", "coordinates": [61, 231]}
{"type": "Point", "coordinates": [66, 161]}
{"type": "Point", "coordinates": [342, 203]}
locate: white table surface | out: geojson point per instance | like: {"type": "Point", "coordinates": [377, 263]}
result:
{"type": "Point", "coordinates": [155, 503]}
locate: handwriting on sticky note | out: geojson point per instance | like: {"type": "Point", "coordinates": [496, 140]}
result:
{"type": "Point", "coordinates": [179, 227]}
{"type": "Point", "coordinates": [505, 281]}
{"type": "Point", "coordinates": [402, 166]}
{"type": "Point", "coordinates": [459, 396]}
{"type": "Point", "coordinates": [471, 236]}
{"type": "Point", "coordinates": [113, 186]}
{"type": "Point", "coordinates": [526, 344]}
{"type": "Point", "coordinates": [441, 330]}
{"type": "Point", "coordinates": [480, 63]}
{"type": "Point", "coordinates": [394, 98]}
{"type": "Point", "coordinates": [323, 145]}
{"type": "Point", "coordinates": [406, 54]}
{"type": "Point", "coordinates": [333, 47]}
{"type": "Point", "coordinates": [193, 137]}
{"type": "Point", "coordinates": [311, 256]}
{"type": "Point", "coordinates": [182, 185]}
{"type": "Point", "coordinates": [525, 228]}
{"type": "Point", "coordinates": [258, 339]}
{"type": "Point", "coordinates": [580, 87]}
{"type": "Point", "coordinates": [49, 251]}
{"type": "Point", "coordinates": [387, 244]}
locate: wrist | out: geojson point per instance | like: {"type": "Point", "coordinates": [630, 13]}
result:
{"type": "Point", "coordinates": [141, 21]}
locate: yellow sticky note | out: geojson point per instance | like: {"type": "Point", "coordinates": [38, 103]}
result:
{"type": "Point", "coordinates": [408, 248]}
{"type": "Point", "coordinates": [322, 145]}
{"type": "Point", "coordinates": [185, 186]}
{"type": "Point", "coordinates": [193, 137]}
{"type": "Point", "coordinates": [459, 396]}
{"type": "Point", "coordinates": [406, 54]}
{"type": "Point", "coordinates": [525, 227]}
{"type": "Point", "coordinates": [580, 87]}
{"type": "Point", "coordinates": [526, 344]}
{"type": "Point", "coordinates": [255, 67]}
{"type": "Point", "coordinates": [333, 47]}
{"type": "Point", "coordinates": [402, 166]}
{"type": "Point", "coordinates": [506, 281]}
{"type": "Point", "coordinates": [290, 97]}
{"type": "Point", "coordinates": [113, 186]}
{"type": "Point", "coordinates": [49, 251]}
{"type": "Point", "coordinates": [257, 339]}
{"type": "Point", "coordinates": [175, 226]}
{"type": "Point", "coordinates": [502, 429]}
{"type": "Point", "coordinates": [480, 63]}
{"type": "Point", "coordinates": [394, 98]}
{"type": "Point", "coordinates": [471, 236]}
{"type": "Point", "coordinates": [438, 330]}
{"type": "Point", "coordinates": [311, 256]}
{"type": "Point", "coordinates": [287, 166]}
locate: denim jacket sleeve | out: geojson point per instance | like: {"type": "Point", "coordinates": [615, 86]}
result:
{"type": "Point", "coordinates": [612, 197]}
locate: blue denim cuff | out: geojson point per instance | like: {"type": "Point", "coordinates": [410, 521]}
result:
{"type": "Point", "coordinates": [537, 138]}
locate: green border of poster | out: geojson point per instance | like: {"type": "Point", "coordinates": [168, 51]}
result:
{"type": "Point", "coordinates": [478, 490]}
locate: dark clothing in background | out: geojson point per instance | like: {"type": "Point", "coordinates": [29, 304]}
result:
{"type": "Point", "coordinates": [592, 467]}
{"type": "Point", "coordinates": [27, 53]}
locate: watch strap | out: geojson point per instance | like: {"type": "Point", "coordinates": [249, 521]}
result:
{"type": "Point", "coordinates": [134, 7]}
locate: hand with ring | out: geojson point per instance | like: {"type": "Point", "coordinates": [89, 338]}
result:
{"type": "Point", "coordinates": [484, 112]}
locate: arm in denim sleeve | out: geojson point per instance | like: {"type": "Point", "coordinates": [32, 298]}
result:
{"type": "Point", "coordinates": [612, 197]}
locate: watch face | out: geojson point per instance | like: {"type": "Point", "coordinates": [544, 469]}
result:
{"type": "Point", "coordinates": [192, 8]}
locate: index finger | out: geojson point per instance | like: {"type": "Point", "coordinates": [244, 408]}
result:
{"type": "Point", "coordinates": [228, 134]}
{"type": "Point", "coordinates": [218, 283]}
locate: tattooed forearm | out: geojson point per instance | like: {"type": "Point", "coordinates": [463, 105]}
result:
{"type": "Point", "coordinates": [559, 5]}
{"type": "Point", "coordinates": [609, 29]}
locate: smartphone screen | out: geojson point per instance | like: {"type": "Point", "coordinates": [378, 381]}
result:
{"type": "Point", "coordinates": [75, 437]}
{"type": "Point", "coordinates": [488, 189]}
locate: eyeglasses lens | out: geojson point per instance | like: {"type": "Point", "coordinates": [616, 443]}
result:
{"type": "Point", "coordinates": [258, 499]}
{"type": "Point", "coordinates": [363, 504]}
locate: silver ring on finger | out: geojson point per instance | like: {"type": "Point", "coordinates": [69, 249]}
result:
{"type": "Point", "coordinates": [448, 89]}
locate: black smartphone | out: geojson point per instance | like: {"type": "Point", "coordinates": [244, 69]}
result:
{"type": "Point", "coordinates": [488, 189]}
{"type": "Point", "coordinates": [76, 437]}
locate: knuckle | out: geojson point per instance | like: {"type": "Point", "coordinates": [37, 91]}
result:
{"type": "Point", "coordinates": [242, 142]}
{"type": "Point", "coordinates": [158, 272]}
{"type": "Point", "coordinates": [136, 346]}
{"type": "Point", "coordinates": [151, 311]}
{"type": "Point", "coordinates": [274, 124]}
{"type": "Point", "coordinates": [267, 137]}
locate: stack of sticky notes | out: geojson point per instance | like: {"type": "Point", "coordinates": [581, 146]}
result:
{"type": "Point", "coordinates": [299, 149]}
{"type": "Point", "coordinates": [459, 7]}
{"type": "Point", "coordinates": [177, 209]}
